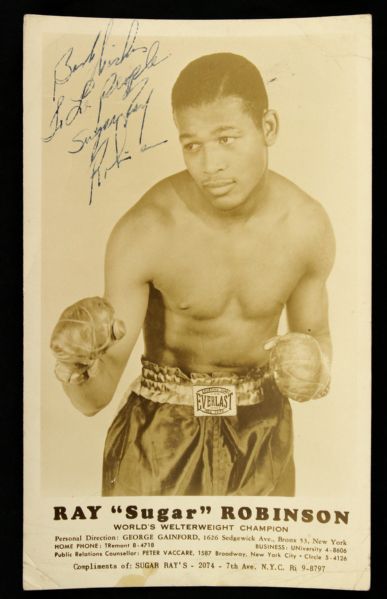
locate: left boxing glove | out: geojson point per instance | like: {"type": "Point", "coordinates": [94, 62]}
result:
{"type": "Point", "coordinates": [85, 330]}
{"type": "Point", "coordinates": [299, 367]}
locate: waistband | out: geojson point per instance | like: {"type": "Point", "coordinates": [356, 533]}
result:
{"type": "Point", "coordinates": [169, 384]}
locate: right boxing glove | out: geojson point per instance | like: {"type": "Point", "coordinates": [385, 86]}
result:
{"type": "Point", "coordinates": [82, 335]}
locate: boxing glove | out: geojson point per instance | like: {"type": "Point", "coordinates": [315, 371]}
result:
{"type": "Point", "coordinates": [84, 332]}
{"type": "Point", "coordinates": [299, 367]}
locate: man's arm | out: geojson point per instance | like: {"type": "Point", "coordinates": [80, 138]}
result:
{"type": "Point", "coordinates": [300, 360]}
{"type": "Point", "coordinates": [126, 288]}
{"type": "Point", "coordinates": [307, 307]}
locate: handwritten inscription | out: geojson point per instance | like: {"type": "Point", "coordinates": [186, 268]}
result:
{"type": "Point", "coordinates": [105, 78]}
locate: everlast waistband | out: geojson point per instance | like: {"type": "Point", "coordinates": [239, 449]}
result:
{"type": "Point", "coordinates": [168, 384]}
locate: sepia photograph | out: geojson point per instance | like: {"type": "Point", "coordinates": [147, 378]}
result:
{"type": "Point", "coordinates": [198, 209]}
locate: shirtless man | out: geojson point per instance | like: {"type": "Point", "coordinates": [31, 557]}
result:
{"type": "Point", "coordinates": [205, 263]}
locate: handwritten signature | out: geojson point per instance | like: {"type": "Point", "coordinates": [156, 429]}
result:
{"type": "Point", "coordinates": [123, 79]}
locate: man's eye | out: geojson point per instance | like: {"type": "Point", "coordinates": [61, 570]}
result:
{"type": "Point", "coordinates": [191, 147]}
{"type": "Point", "coordinates": [225, 140]}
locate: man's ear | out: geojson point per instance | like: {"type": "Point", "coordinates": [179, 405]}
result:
{"type": "Point", "coordinates": [270, 126]}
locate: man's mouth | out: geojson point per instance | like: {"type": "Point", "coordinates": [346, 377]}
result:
{"type": "Point", "coordinates": [218, 187]}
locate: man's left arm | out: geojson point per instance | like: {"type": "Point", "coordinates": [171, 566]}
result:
{"type": "Point", "coordinates": [307, 311]}
{"type": "Point", "coordinates": [307, 306]}
{"type": "Point", "coordinates": [301, 368]}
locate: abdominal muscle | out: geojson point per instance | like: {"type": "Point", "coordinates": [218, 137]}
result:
{"type": "Point", "coordinates": [225, 343]}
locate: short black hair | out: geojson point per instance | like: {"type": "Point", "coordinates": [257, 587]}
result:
{"type": "Point", "coordinates": [219, 75]}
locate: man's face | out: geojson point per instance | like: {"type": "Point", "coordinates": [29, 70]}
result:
{"type": "Point", "coordinates": [224, 150]}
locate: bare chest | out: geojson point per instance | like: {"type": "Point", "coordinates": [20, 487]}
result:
{"type": "Point", "coordinates": [206, 277]}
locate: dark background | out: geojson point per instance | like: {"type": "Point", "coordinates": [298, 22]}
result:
{"type": "Point", "coordinates": [11, 256]}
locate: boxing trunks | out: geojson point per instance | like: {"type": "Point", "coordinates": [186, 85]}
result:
{"type": "Point", "coordinates": [175, 436]}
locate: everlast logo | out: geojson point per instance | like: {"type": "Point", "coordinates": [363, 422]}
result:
{"type": "Point", "coordinates": [215, 401]}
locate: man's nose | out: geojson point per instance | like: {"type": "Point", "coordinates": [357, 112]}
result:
{"type": "Point", "coordinates": [213, 159]}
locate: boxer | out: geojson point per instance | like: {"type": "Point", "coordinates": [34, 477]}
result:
{"type": "Point", "coordinates": [204, 265]}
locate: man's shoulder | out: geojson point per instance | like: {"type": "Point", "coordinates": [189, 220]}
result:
{"type": "Point", "coordinates": [303, 212]}
{"type": "Point", "coordinates": [149, 221]}
{"type": "Point", "coordinates": [154, 209]}
{"type": "Point", "coordinates": [308, 225]}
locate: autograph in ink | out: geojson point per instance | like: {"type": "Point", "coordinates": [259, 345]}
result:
{"type": "Point", "coordinates": [102, 81]}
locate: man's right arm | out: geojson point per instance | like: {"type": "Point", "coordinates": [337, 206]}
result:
{"type": "Point", "coordinates": [127, 273]}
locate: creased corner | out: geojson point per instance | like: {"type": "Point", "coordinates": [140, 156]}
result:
{"type": "Point", "coordinates": [34, 579]}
